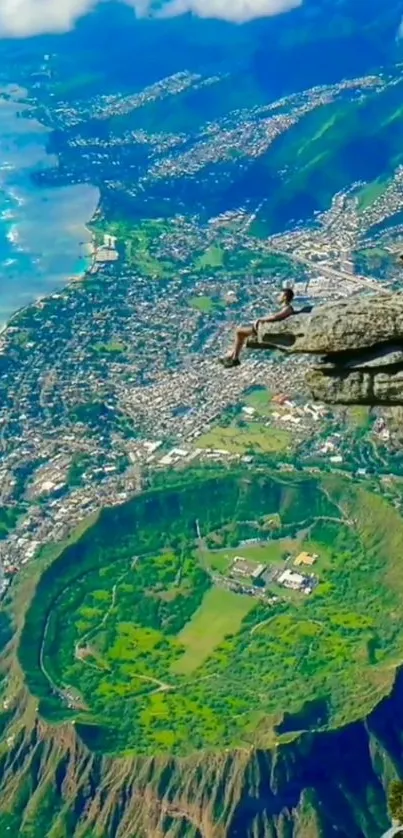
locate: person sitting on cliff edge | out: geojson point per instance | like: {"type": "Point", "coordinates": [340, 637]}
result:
{"type": "Point", "coordinates": [251, 329]}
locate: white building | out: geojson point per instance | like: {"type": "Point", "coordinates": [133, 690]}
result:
{"type": "Point", "coordinates": [290, 579]}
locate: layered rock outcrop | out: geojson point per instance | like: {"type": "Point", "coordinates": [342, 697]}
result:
{"type": "Point", "coordinates": [357, 346]}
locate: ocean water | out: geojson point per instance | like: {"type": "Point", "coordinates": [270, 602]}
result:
{"type": "Point", "coordinates": [42, 231]}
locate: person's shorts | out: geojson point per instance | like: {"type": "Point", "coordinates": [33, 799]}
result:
{"type": "Point", "coordinates": [250, 326]}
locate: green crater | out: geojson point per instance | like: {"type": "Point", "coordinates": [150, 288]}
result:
{"type": "Point", "coordinates": [136, 633]}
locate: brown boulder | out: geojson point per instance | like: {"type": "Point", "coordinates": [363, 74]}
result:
{"type": "Point", "coordinates": [345, 326]}
{"type": "Point", "coordinates": [360, 344]}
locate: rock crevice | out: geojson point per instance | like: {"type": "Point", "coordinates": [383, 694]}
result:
{"type": "Point", "coordinates": [357, 349]}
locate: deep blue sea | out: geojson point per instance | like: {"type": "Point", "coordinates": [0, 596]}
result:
{"type": "Point", "coordinates": [41, 230]}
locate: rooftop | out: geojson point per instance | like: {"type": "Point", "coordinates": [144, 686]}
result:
{"type": "Point", "coordinates": [305, 558]}
{"type": "Point", "coordinates": [245, 567]}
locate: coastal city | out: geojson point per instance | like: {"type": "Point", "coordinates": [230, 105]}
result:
{"type": "Point", "coordinates": [201, 418]}
{"type": "Point", "coordinates": [116, 377]}
{"type": "Point", "coordinates": [162, 157]}
{"type": "Point", "coordinates": [247, 131]}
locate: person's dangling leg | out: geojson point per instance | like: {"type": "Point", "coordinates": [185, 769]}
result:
{"type": "Point", "coordinates": [241, 336]}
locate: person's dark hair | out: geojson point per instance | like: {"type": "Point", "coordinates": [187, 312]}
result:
{"type": "Point", "coordinates": [289, 294]}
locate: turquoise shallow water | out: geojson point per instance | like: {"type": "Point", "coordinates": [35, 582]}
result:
{"type": "Point", "coordinates": [41, 230]}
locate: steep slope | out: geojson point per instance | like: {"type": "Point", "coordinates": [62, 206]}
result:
{"type": "Point", "coordinates": [330, 784]}
{"type": "Point", "coordinates": [332, 148]}
{"type": "Point", "coordinates": [325, 152]}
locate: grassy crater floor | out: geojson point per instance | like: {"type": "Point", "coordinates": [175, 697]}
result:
{"type": "Point", "coordinates": [133, 633]}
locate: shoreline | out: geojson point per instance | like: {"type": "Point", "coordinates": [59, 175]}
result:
{"type": "Point", "coordinates": [111, 254]}
{"type": "Point", "coordinates": [59, 238]}
{"type": "Point", "coordinates": [70, 280]}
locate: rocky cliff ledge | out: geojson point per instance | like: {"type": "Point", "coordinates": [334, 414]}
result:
{"type": "Point", "coordinates": [357, 344]}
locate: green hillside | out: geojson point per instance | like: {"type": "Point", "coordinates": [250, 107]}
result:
{"type": "Point", "coordinates": [333, 147]}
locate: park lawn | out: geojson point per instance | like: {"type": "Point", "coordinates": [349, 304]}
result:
{"type": "Point", "coordinates": [217, 560]}
{"type": "Point", "coordinates": [139, 256]}
{"type": "Point", "coordinates": [113, 347]}
{"type": "Point", "coordinates": [220, 613]}
{"type": "Point", "coordinates": [138, 240]}
{"type": "Point", "coordinates": [213, 257]}
{"type": "Point", "coordinates": [23, 337]}
{"type": "Point", "coordinates": [260, 400]}
{"type": "Point", "coordinates": [375, 252]}
{"type": "Point", "coordinates": [254, 436]}
{"type": "Point", "coordinates": [204, 304]}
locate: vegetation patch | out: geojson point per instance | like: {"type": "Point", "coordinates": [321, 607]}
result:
{"type": "Point", "coordinates": [220, 614]}
{"type": "Point", "coordinates": [213, 257]}
{"type": "Point", "coordinates": [370, 193]}
{"type": "Point", "coordinates": [8, 518]}
{"type": "Point", "coordinates": [204, 304]}
{"type": "Point", "coordinates": [140, 242]}
{"type": "Point", "coordinates": [253, 437]}
{"type": "Point", "coordinates": [114, 347]}
{"type": "Point", "coordinates": [259, 398]}
{"type": "Point", "coordinates": [359, 417]}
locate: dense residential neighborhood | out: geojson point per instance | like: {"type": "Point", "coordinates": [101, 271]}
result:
{"type": "Point", "coordinates": [116, 374]}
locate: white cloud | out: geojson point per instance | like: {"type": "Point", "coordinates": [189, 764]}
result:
{"type": "Point", "coordinates": [20, 18]}
{"type": "Point", "coordinates": [237, 11]}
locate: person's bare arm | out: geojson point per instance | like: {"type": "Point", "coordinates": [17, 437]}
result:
{"type": "Point", "coordinates": [281, 315]}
